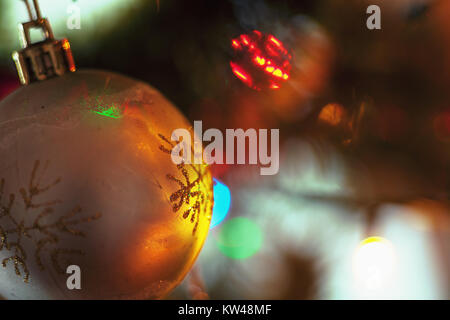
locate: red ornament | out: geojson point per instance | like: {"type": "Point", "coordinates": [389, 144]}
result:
{"type": "Point", "coordinates": [260, 60]}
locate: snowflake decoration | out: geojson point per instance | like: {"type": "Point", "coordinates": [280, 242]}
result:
{"type": "Point", "coordinates": [43, 232]}
{"type": "Point", "coordinates": [190, 192]}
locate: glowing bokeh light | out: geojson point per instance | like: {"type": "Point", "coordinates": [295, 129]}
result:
{"type": "Point", "coordinates": [332, 114]}
{"type": "Point", "coordinates": [260, 61]}
{"type": "Point", "coordinates": [240, 238]}
{"type": "Point", "coordinates": [240, 73]}
{"type": "Point", "coordinates": [222, 203]}
{"type": "Point", "coordinates": [374, 264]}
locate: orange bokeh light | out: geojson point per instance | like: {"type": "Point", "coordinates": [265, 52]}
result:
{"type": "Point", "coordinates": [332, 114]}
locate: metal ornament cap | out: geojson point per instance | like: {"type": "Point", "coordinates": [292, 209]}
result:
{"type": "Point", "coordinates": [45, 59]}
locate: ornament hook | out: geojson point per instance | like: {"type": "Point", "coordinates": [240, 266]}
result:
{"type": "Point", "coordinates": [37, 10]}
{"type": "Point", "coordinates": [45, 59]}
{"type": "Point", "coordinates": [36, 22]}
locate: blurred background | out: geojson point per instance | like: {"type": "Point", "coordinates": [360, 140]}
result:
{"type": "Point", "coordinates": [360, 206]}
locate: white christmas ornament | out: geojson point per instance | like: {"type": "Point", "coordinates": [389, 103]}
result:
{"type": "Point", "coordinates": [91, 205]}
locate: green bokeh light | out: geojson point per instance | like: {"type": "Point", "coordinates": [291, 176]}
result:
{"type": "Point", "coordinates": [239, 238]}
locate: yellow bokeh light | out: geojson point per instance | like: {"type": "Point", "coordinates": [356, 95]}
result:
{"type": "Point", "coordinates": [374, 264]}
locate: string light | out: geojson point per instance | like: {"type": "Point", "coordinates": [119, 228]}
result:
{"type": "Point", "coordinates": [260, 61]}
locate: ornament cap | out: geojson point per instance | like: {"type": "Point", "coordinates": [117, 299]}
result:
{"type": "Point", "coordinates": [45, 59]}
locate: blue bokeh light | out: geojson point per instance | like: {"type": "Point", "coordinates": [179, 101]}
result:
{"type": "Point", "coordinates": [222, 203]}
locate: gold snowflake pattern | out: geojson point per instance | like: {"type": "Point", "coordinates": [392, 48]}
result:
{"type": "Point", "coordinates": [46, 229]}
{"type": "Point", "coordinates": [190, 192]}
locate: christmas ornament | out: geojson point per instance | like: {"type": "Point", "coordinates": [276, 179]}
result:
{"type": "Point", "coordinates": [260, 60]}
{"type": "Point", "coordinates": [87, 183]}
